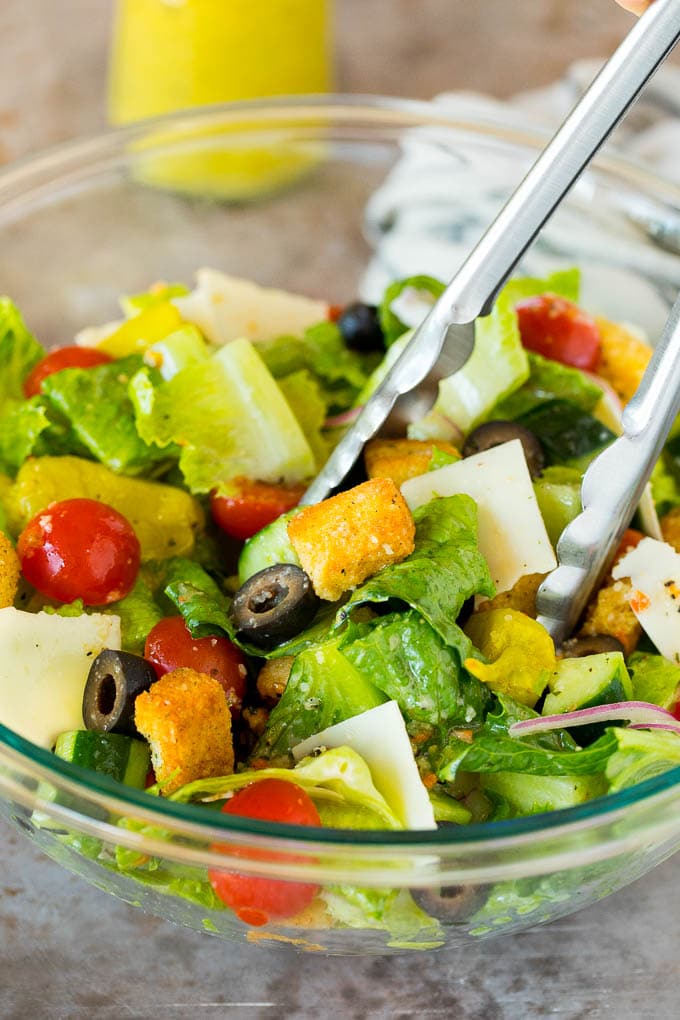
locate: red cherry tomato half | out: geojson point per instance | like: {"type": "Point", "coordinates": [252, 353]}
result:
{"type": "Point", "coordinates": [169, 645]}
{"type": "Point", "coordinates": [257, 900]}
{"type": "Point", "coordinates": [558, 329]}
{"type": "Point", "coordinates": [62, 357]}
{"type": "Point", "coordinates": [80, 549]}
{"type": "Point", "coordinates": [250, 506]}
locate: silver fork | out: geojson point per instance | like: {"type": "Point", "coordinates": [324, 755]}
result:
{"type": "Point", "coordinates": [412, 382]}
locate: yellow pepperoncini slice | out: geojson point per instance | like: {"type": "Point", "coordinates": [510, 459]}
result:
{"type": "Point", "coordinates": [520, 654]}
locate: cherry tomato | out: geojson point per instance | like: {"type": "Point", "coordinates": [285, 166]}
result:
{"type": "Point", "coordinates": [169, 645]}
{"type": "Point", "coordinates": [62, 357]}
{"type": "Point", "coordinates": [80, 549]}
{"type": "Point", "coordinates": [558, 329]}
{"type": "Point", "coordinates": [252, 505]}
{"type": "Point", "coordinates": [257, 900]}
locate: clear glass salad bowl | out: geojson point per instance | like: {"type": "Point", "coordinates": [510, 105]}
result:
{"type": "Point", "coordinates": [292, 193]}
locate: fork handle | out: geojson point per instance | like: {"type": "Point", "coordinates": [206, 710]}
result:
{"type": "Point", "coordinates": [472, 291]}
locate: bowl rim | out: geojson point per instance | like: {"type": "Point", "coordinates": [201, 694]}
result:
{"type": "Point", "coordinates": [82, 157]}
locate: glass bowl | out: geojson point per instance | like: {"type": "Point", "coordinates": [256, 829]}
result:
{"type": "Point", "coordinates": [293, 193]}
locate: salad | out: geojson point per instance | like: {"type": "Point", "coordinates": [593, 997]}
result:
{"type": "Point", "coordinates": [174, 617]}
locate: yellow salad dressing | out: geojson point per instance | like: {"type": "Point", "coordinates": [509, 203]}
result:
{"type": "Point", "coordinates": [174, 54]}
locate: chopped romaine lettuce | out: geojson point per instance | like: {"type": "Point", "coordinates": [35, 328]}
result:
{"type": "Point", "coordinates": [390, 910]}
{"type": "Point", "coordinates": [499, 364]}
{"type": "Point", "coordinates": [408, 661]}
{"type": "Point", "coordinates": [340, 373]}
{"type": "Point", "coordinates": [640, 755]}
{"type": "Point", "coordinates": [323, 689]}
{"type": "Point", "coordinates": [198, 598]}
{"type": "Point", "coordinates": [304, 396]}
{"type": "Point", "coordinates": [180, 349]}
{"type": "Point", "coordinates": [548, 380]}
{"type": "Point", "coordinates": [138, 613]}
{"type": "Point", "coordinates": [96, 404]}
{"type": "Point", "coordinates": [390, 323]}
{"type": "Point", "coordinates": [655, 679]}
{"type": "Point", "coordinates": [19, 352]}
{"type": "Point", "coordinates": [229, 418]}
{"type": "Point", "coordinates": [445, 568]}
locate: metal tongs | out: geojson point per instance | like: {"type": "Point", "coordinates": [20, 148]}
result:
{"type": "Point", "coordinates": [444, 341]}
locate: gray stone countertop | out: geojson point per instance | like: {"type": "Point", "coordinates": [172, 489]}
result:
{"type": "Point", "coordinates": [71, 951]}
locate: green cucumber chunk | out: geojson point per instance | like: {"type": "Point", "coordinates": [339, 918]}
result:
{"type": "Point", "coordinates": [586, 682]}
{"type": "Point", "coordinates": [269, 546]}
{"type": "Point", "coordinates": [114, 754]}
{"type": "Point", "coordinates": [655, 679]}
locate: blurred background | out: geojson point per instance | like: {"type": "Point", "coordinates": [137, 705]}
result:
{"type": "Point", "coordinates": [54, 85]}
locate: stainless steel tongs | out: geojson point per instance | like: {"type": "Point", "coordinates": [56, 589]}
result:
{"type": "Point", "coordinates": [444, 341]}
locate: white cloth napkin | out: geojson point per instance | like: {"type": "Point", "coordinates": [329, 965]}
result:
{"type": "Point", "coordinates": [435, 204]}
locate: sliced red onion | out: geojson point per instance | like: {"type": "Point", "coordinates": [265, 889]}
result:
{"type": "Point", "coordinates": [670, 727]}
{"type": "Point", "coordinates": [338, 421]}
{"type": "Point", "coordinates": [641, 712]}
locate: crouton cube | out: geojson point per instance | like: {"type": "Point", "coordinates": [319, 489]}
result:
{"type": "Point", "coordinates": [670, 528]}
{"type": "Point", "coordinates": [623, 358]}
{"type": "Point", "coordinates": [186, 719]}
{"type": "Point", "coordinates": [522, 596]}
{"type": "Point", "coordinates": [401, 459]}
{"type": "Point", "coordinates": [273, 677]}
{"type": "Point", "coordinates": [10, 570]}
{"type": "Point", "coordinates": [347, 538]}
{"type": "Point", "coordinates": [610, 613]}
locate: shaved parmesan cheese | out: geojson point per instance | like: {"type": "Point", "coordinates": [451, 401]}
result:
{"type": "Point", "coordinates": [379, 736]}
{"type": "Point", "coordinates": [44, 662]}
{"type": "Point", "coordinates": [654, 570]}
{"type": "Point", "coordinates": [512, 535]}
{"type": "Point", "coordinates": [226, 308]}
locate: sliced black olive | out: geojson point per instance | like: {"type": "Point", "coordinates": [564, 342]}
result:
{"type": "Point", "coordinates": [449, 902]}
{"type": "Point", "coordinates": [493, 433]}
{"type": "Point", "coordinates": [590, 644]}
{"type": "Point", "coordinates": [114, 681]}
{"type": "Point", "coordinates": [273, 605]}
{"type": "Point", "coordinates": [360, 327]}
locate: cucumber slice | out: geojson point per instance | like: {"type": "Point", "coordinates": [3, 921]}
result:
{"type": "Point", "coordinates": [558, 492]}
{"type": "Point", "coordinates": [591, 680]}
{"type": "Point", "coordinates": [115, 754]}
{"type": "Point", "coordinates": [269, 546]}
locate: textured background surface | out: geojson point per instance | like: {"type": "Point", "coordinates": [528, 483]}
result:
{"type": "Point", "coordinates": [67, 950]}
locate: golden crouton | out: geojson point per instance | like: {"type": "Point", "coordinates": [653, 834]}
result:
{"type": "Point", "coordinates": [186, 719]}
{"type": "Point", "coordinates": [401, 459]}
{"type": "Point", "coordinates": [273, 677]}
{"type": "Point", "coordinates": [670, 528]}
{"type": "Point", "coordinates": [623, 358]}
{"type": "Point", "coordinates": [522, 596]}
{"type": "Point", "coordinates": [610, 613]}
{"type": "Point", "coordinates": [10, 571]}
{"type": "Point", "coordinates": [347, 538]}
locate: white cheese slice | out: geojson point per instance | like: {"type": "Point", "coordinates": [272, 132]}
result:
{"type": "Point", "coordinates": [226, 307]}
{"type": "Point", "coordinates": [654, 570]}
{"type": "Point", "coordinates": [44, 662]}
{"type": "Point", "coordinates": [512, 535]}
{"type": "Point", "coordinates": [379, 736]}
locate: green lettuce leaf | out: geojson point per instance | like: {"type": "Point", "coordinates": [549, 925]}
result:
{"type": "Point", "coordinates": [407, 660]}
{"type": "Point", "coordinates": [306, 401]}
{"type": "Point", "coordinates": [640, 755]}
{"type": "Point", "coordinates": [390, 910]}
{"type": "Point", "coordinates": [499, 364]}
{"type": "Point", "coordinates": [337, 776]}
{"type": "Point", "coordinates": [665, 485]}
{"type": "Point", "coordinates": [445, 568]}
{"type": "Point", "coordinates": [655, 679]}
{"type": "Point", "coordinates": [19, 352]}
{"type": "Point", "coordinates": [323, 688]}
{"type": "Point", "coordinates": [198, 598]}
{"type": "Point", "coordinates": [392, 327]}
{"type": "Point", "coordinates": [548, 380]}
{"type": "Point", "coordinates": [138, 613]}
{"type": "Point", "coordinates": [95, 401]}
{"type": "Point", "coordinates": [229, 418]}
